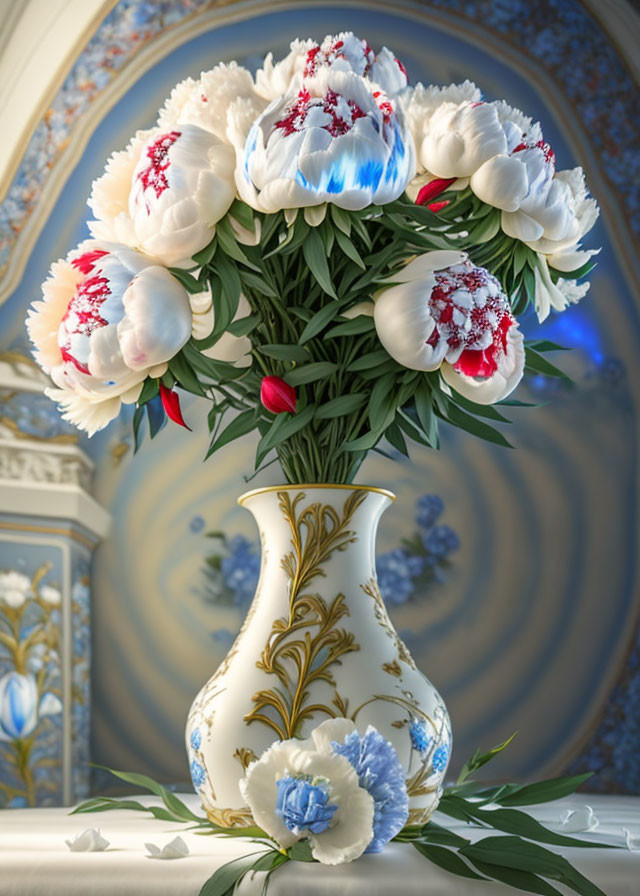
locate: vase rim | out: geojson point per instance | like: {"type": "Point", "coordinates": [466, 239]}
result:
{"type": "Point", "coordinates": [316, 485]}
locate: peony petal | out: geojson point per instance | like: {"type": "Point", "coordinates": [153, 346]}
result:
{"type": "Point", "coordinates": [502, 182]}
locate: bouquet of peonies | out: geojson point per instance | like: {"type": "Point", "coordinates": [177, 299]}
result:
{"type": "Point", "coordinates": [332, 257]}
{"type": "Point", "coordinates": [325, 253]}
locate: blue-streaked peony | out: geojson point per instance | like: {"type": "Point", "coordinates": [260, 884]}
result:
{"type": "Point", "coordinates": [337, 138]}
{"type": "Point", "coordinates": [446, 313]}
{"type": "Point", "coordinates": [341, 52]}
{"type": "Point", "coordinates": [164, 193]}
{"type": "Point", "coordinates": [20, 708]}
{"type": "Point", "coordinates": [109, 317]}
{"type": "Point", "coordinates": [297, 790]}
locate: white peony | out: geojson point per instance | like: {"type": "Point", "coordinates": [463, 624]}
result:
{"type": "Point", "coordinates": [206, 102]}
{"type": "Point", "coordinates": [502, 155]}
{"type": "Point", "coordinates": [445, 313]}
{"type": "Point", "coordinates": [109, 318]}
{"type": "Point", "coordinates": [302, 789]}
{"type": "Point", "coordinates": [342, 52]}
{"type": "Point", "coordinates": [15, 588]}
{"type": "Point", "coordinates": [337, 139]}
{"type": "Point", "coordinates": [557, 295]}
{"type": "Point", "coordinates": [164, 193]}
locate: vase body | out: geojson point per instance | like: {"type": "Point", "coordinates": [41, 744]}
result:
{"type": "Point", "coordinates": [317, 643]}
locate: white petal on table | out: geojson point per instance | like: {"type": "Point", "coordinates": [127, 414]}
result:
{"type": "Point", "coordinates": [175, 849]}
{"type": "Point", "coordinates": [90, 840]}
{"type": "Point", "coordinates": [577, 821]}
{"type": "Point", "coordinates": [632, 840]}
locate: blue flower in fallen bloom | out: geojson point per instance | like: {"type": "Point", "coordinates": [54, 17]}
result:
{"type": "Point", "coordinates": [241, 568]}
{"type": "Point", "coordinates": [198, 774]}
{"type": "Point", "coordinates": [195, 739]}
{"type": "Point", "coordinates": [396, 571]}
{"type": "Point", "coordinates": [439, 542]}
{"type": "Point", "coordinates": [429, 508]}
{"type": "Point", "coordinates": [381, 774]}
{"type": "Point", "coordinates": [440, 758]}
{"type": "Point", "coordinates": [420, 738]}
{"type": "Point", "coordinates": [304, 805]}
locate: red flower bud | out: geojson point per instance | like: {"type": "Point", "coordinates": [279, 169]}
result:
{"type": "Point", "coordinates": [171, 405]}
{"type": "Point", "coordinates": [433, 189]}
{"type": "Point", "coordinates": [277, 396]}
{"type": "Point", "coordinates": [435, 207]}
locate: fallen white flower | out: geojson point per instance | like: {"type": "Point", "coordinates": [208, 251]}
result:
{"type": "Point", "coordinates": [577, 821]}
{"type": "Point", "coordinates": [176, 849]}
{"type": "Point", "coordinates": [90, 840]}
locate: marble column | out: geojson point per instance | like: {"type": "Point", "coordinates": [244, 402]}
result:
{"type": "Point", "coordinates": [49, 526]}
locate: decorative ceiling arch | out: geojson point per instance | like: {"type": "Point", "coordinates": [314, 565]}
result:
{"type": "Point", "coordinates": [561, 48]}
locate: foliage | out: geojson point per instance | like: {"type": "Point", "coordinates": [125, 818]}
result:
{"type": "Point", "coordinates": [514, 856]}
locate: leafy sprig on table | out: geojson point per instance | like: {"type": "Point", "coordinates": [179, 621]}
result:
{"type": "Point", "coordinates": [515, 856]}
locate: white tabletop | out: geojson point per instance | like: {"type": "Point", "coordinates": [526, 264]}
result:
{"type": "Point", "coordinates": [35, 861]}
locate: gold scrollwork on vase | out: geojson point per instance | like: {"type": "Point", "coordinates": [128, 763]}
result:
{"type": "Point", "coordinates": [303, 646]}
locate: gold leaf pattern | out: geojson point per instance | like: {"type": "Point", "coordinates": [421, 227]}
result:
{"type": "Point", "coordinates": [245, 756]}
{"type": "Point", "coordinates": [392, 668]}
{"type": "Point", "coordinates": [373, 591]}
{"type": "Point", "coordinates": [304, 646]}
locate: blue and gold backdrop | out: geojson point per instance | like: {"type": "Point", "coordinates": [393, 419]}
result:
{"type": "Point", "coordinates": [511, 574]}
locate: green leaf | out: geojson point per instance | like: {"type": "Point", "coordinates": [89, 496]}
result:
{"type": "Point", "coordinates": [341, 406]}
{"type": "Point", "coordinates": [301, 851]}
{"type": "Point", "coordinates": [107, 804]}
{"type": "Point", "coordinates": [544, 791]}
{"type": "Point", "coordinates": [138, 433]}
{"type": "Point", "coordinates": [578, 274]}
{"type": "Point", "coordinates": [446, 859]}
{"type": "Point", "coordinates": [479, 410]}
{"type": "Point", "coordinates": [258, 284]}
{"type": "Point", "coordinates": [342, 219]}
{"type": "Point", "coordinates": [486, 230]}
{"type": "Point", "coordinates": [184, 375]}
{"type": "Point", "coordinates": [476, 427]}
{"type": "Point", "coordinates": [348, 248]}
{"type": "Point", "coordinates": [243, 214]}
{"type": "Point", "coordinates": [285, 352]}
{"type": "Point", "coordinates": [204, 256]}
{"type": "Point", "coordinates": [382, 401]}
{"type": "Point", "coordinates": [319, 321]}
{"type": "Point", "coordinates": [537, 364]}
{"type": "Point", "coordinates": [511, 821]}
{"type": "Point", "coordinates": [363, 323]}
{"type": "Point", "coordinates": [479, 759]}
{"type": "Point", "coordinates": [188, 280]}
{"type": "Point", "coordinates": [309, 373]}
{"type": "Point", "coordinates": [544, 345]}
{"type": "Point", "coordinates": [149, 390]}
{"type": "Point", "coordinates": [241, 425]}
{"type": "Point", "coordinates": [225, 879]}
{"type": "Point", "coordinates": [519, 880]}
{"type": "Point", "coordinates": [513, 852]}
{"type": "Point", "coordinates": [170, 800]}
{"type": "Point", "coordinates": [368, 361]}
{"type": "Point", "coordinates": [425, 413]}
{"type": "Point", "coordinates": [229, 245]}
{"type": "Point", "coordinates": [314, 255]}
{"type": "Point", "coordinates": [295, 423]}
{"type": "Point", "coordinates": [244, 325]}
{"type": "Point", "coordinates": [393, 435]}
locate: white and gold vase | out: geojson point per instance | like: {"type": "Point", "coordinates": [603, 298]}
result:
{"type": "Point", "coordinates": [317, 643]}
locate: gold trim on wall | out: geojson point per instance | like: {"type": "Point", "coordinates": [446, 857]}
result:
{"type": "Point", "coordinates": [49, 530]}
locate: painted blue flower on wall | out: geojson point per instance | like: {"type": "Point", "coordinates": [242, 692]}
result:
{"type": "Point", "coordinates": [30, 686]}
{"type": "Point", "coordinates": [411, 569]}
